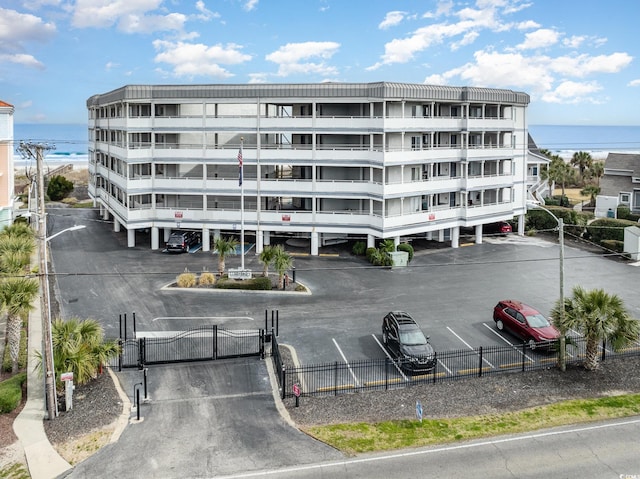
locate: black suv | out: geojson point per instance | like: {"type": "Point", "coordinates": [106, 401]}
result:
{"type": "Point", "coordinates": [181, 241]}
{"type": "Point", "coordinates": [405, 340]}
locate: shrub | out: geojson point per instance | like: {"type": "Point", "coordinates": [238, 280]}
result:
{"type": "Point", "coordinates": [259, 283]}
{"type": "Point", "coordinates": [186, 280]}
{"type": "Point", "coordinates": [207, 279]}
{"type": "Point", "coordinates": [613, 245]}
{"type": "Point", "coordinates": [11, 392]}
{"type": "Point", "coordinates": [58, 188]}
{"type": "Point", "coordinates": [608, 229]}
{"type": "Point", "coordinates": [408, 248]}
{"type": "Point", "coordinates": [369, 253]}
{"type": "Point", "coordinates": [624, 213]}
{"type": "Point", "coordinates": [359, 248]}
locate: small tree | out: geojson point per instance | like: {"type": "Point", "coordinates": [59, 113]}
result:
{"type": "Point", "coordinates": [79, 347]}
{"type": "Point", "coordinates": [282, 261]}
{"type": "Point", "coordinates": [597, 315]}
{"type": "Point", "coordinates": [591, 191]}
{"type": "Point", "coordinates": [16, 298]}
{"type": "Point", "coordinates": [59, 187]}
{"type": "Point", "coordinates": [224, 246]}
{"type": "Point", "coordinates": [266, 257]}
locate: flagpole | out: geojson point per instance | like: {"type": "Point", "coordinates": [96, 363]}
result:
{"type": "Point", "coordinates": [240, 161]}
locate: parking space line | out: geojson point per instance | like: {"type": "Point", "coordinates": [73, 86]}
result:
{"type": "Point", "coordinates": [507, 341]}
{"type": "Point", "coordinates": [344, 358]}
{"type": "Point", "coordinates": [389, 356]}
{"type": "Point", "coordinates": [468, 345]}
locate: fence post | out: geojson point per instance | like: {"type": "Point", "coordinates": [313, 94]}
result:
{"type": "Point", "coordinates": [125, 326]}
{"type": "Point", "coordinates": [386, 373]}
{"type": "Point", "coordinates": [284, 381]}
{"type": "Point", "coordinates": [120, 345]}
{"type": "Point", "coordinates": [141, 352]}
{"type": "Point", "coordinates": [261, 343]}
{"type": "Point", "coordinates": [480, 363]}
{"type": "Point", "coordinates": [277, 322]}
{"type": "Point", "coordinates": [134, 325]}
{"type": "Point", "coordinates": [215, 341]}
{"type": "Point", "coordinates": [435, 356]}
{"type": "Point", "coordinates": [604, 351]}
{"type": "Point", "coordinates": [120, 323]}
{"type": "Point", "coordinates": [523, 355]}
{"type": "Point", "coordinates": [335, 378]}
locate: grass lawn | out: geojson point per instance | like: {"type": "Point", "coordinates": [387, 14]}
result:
{"type": "Point", "coordinates": [365, 437]}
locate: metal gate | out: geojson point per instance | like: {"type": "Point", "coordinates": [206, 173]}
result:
{"type": "Point", "coordinates": [199, 344]}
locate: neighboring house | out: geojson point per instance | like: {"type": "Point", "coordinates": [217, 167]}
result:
{"type": "Point", "coordinates": [6, 165]}
{"type": "Point", "coordinates": [325, 161]}
{"type": "Point", "coordinates": [621, 180]}
{"type": "Point", "coordinates": [537, 187]}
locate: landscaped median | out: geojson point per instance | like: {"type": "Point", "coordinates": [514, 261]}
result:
{"type": "Point", "coordinates": [358, 438]}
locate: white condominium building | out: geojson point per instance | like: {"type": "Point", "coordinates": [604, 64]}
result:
{"type": "Point", "coordinates": [323, 162]}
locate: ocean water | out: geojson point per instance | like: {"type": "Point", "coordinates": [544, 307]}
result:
{"type": "Point", "coordinates": [71, 144]}
{"type": "Point", "coordinates": [564, 140]}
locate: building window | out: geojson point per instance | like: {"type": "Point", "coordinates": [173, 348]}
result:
{"type": "Point", "coordinates": [625, 198]}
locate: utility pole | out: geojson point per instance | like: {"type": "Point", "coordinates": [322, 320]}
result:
{"type": "Point", "coordinates": [50, 385]}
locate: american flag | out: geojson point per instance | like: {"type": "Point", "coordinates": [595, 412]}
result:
{"type": "Point", "coordinates": [240, 164]}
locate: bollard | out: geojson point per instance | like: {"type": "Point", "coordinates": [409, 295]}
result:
{"type": "Point", "coordinates": [138, 404]}
{"type": "Point", "coordinates": [145, 384]}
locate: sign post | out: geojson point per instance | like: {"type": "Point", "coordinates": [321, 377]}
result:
{"type": "Point", "coordinates": [67, 378]}
{"type": "Point", "coordinates": [419, 410]}
{"type": "Point", "coordinates": [296, 393]}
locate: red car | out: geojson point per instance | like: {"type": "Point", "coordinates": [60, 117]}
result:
{"type": "Point", "coordinates": [526, 323]}
{"type": "Point", "coordinates": [499, 228]}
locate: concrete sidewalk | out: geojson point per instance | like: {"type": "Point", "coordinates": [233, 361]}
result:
{"type": "Point", "coordinates": [42, 459]}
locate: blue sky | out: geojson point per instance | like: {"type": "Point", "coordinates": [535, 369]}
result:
{"type": "Point", "coordinates": [577, 59]}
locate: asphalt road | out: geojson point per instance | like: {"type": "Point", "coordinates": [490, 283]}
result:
{"type": "Point", "coordinates": [196, 410]}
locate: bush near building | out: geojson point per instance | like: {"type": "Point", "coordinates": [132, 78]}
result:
{"type": "Point", "coordinates": [59, 187]}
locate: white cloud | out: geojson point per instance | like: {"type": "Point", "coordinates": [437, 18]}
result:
{"type": "Point", "coordinates": [527, 25]}
{"type": "Point", "coordinates": [468, 39]}
{"type": "Point", "coordinates": [17, 28]}
{"type": "Point", "coordinates": [250, 5]}
{"type": "Point", "coordinates": [572, 92]}
{"type": "Point", "coordinates": [574, 41]}
{"type": "Point", "coordinates": [291, 58]}
{"type": "Point", "coordinates": [584, 65]}
{"type": "Point", "coordinates": [205, 14]}
{"type": "Point", "coordinates": [634, 82]}
{"type": "Point", "coordinates": [111, 65]}
{"type": "Point", "coordinates": [21, 59]}
{"type": "Point", "coordinates": [191, 60]}
{"type": "Point", "coordinates": [541, 38]}
{"type": "Point", "coordinates": [130, 16]}
{"type": "Point", "coordinates": [392, 19]}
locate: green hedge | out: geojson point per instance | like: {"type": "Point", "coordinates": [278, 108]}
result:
{"type": "Point", "coordinates": [11, 392]}
{"type": "Point", "coordinates": [604, 229]}
{"type": "Point", "coordinates": [258, 283]}
{"type": "Point", "coordinates": [575, 221]}
{"type": "Point", "coordinates": [613, 245]}
{"type": "Point", "coordinates": [624, 213]}
{"type": "Point", "coordinates": [359, 248]}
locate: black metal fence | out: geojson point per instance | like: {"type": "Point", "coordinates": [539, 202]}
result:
{"type": "Point", "coordinates": [199, 344]}
{"type": "Point", "coordinates": [340, 377]}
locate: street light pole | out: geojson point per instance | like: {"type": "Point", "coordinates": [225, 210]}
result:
{"type": "Point", "coordinates": [562, 353]}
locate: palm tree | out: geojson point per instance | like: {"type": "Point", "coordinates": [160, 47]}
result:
{"type": "Point", "coordinates": [15, 253]}
{"type": "Point", "coordinates": [224, 246]}
{"type": "Point", "coordinates": [282, 261]}
{"type": "Point", "coordinates": [16, 298]}
{"type": "Point", "coordinates": [591, 191]}
{"type": "Point", "coordinates": [597, 315]}
{"type": "Point", "coordinates": [560, 172]}
{"type": "Point", "coordinates": [266, 258]}
{"type": "Point", "coordinates": [79, 347]}
{"type": "Point", "coordinates": [583, 161]}
{"type": "Point", "coordinates": [597, 171]}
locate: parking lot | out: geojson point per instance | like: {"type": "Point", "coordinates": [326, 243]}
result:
{"type": "Point", "coordinates": [450, 292]}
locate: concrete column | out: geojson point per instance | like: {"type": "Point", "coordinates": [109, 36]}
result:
{"type": "Point", "coordinates": [440, 236]}
{"type": "Point", "coordinates": [478, 234]}
{"type": "Point", "coordinates": [131, 238]}
{"type": "Point", "coordinates": [216, 234]}
{"type": "Point", "coordinates": [116, 225]}
{"type": "Point", "coordinates": [166, 234]}
{"type": "Point", "coordinates": [396, 242]}
{"type": "Point", "coordinates": [429, 235]}
{"type": "Point", "coordinates": [259, 242]}
{"type": "Point", "coordinates": [206, 240]}
{"type": "Point", "coordinates": [105, 215]}
{"type": "Point", "coordinates": [314, 244]}
{"type": "Point", "coordinates": [455, 237]}
{"type": "Point", "coordinates": [521, 220]}
{"type": "Point", "coordinates": [371, 241]}
{"type": "Point", "coordinates": [155, 238]}
{"type": "Point", "coordinates": [266, 237]}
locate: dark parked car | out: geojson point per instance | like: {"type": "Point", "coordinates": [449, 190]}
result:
{"type": "Point", "coordinates": [404, 340]}
{"type": "Point", "coordinates": [182, 241]}
{"type": "Point", "coordinates": [499, 228]}
{"type": "Point", "coordinates": [526, 323]}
